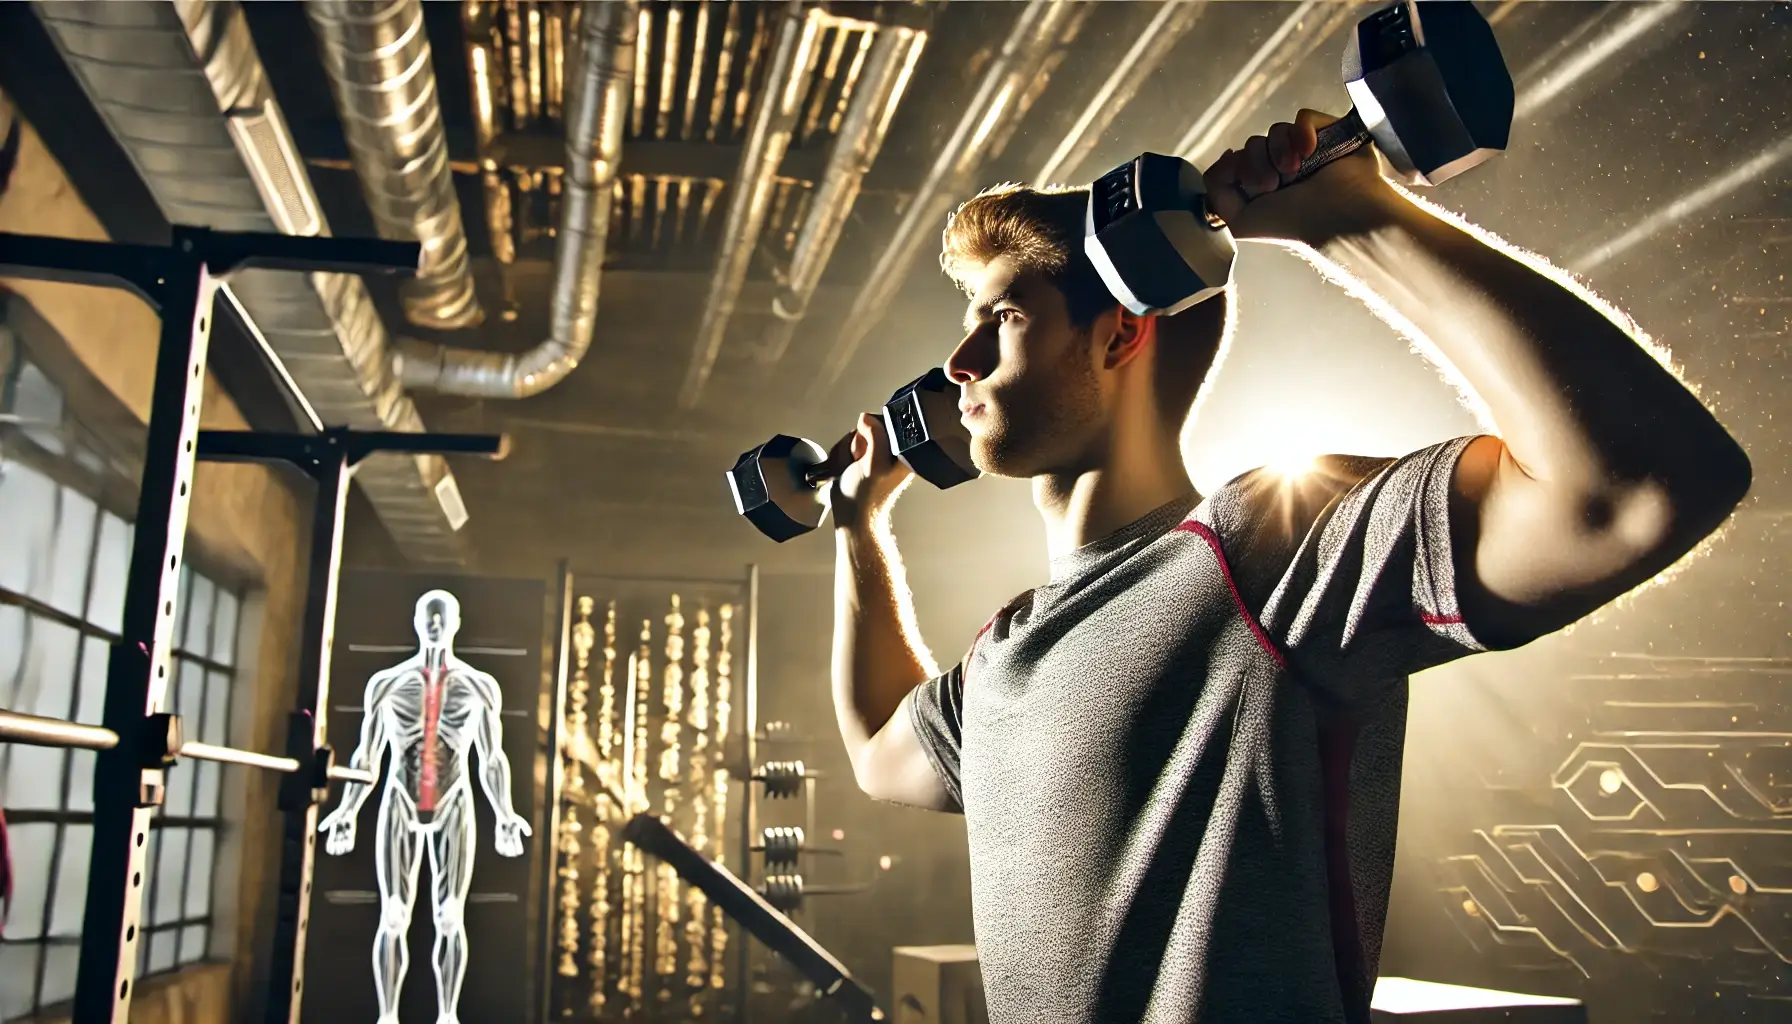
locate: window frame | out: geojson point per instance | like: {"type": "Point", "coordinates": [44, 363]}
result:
{"type": "Point", "coordinates": [103, 466]}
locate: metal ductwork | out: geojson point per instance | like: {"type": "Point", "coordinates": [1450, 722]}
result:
{"type": "Point", "coordinates": [598, 103]}
{"type": "Point", "coordinates": [378, 60]}
{"type": "Point", "coordinates": [1016, 77]}
{"type": "Point", "coordinates": [768, 137]}
{"type": "Point", "coordinates": [873, 106]}
{"type": "Point", "coordinates": [182, 89]}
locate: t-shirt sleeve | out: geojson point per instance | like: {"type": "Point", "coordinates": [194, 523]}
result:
{"type": "Point", "coordinates": [936, 709]}
{"type": "Point", "coordinates": [1369, 594]}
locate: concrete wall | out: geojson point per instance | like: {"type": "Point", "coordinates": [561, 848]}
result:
{"type": "Point", "coordinates": [248, 518]}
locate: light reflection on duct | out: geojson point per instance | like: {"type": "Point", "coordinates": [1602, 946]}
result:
{"type": "Point", "coordinates": [872, 107]}
{"type": "Point", "coordinates": [1637, 20]}
{"type": "Point", "coordinates": [1169, 25]}
{"type": "Point", "coordinates": [1021, 60]}
{"type": "Point", "coordinates": [1298, 36]}
{"type": "Point", "coordinates": [377, 58]}
{"type": "Point", "coordinates": [768, 137]}
{"type": "Point", "coordinates": [1750, 172]}
{"type": "Point", "coordinates": [598, 106]}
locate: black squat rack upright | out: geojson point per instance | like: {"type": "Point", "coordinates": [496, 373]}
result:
{"type": "Point", "coordinates": [139, 739]}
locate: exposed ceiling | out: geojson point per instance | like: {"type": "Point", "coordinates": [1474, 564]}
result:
{"type": "Point", "coordinates": [621, 463]}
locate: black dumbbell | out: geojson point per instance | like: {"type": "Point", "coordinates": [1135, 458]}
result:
{"type": "Point", "coordinates": [781, 486]}
{"type": "Point", "coordinates": [1431, 91]}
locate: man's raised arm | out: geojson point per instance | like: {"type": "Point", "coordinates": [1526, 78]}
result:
{"type": "Point", "coordinates": [1606, 470]}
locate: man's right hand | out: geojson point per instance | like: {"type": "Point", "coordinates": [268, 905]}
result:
{"type": "Point", "coordinates": [863, 494]}
{"type": "Point", "coordinates": [341, 829]}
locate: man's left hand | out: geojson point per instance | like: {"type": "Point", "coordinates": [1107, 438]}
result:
{"type": "Point", "coordinates": [510, 836]}
{"type": "Point", "coordinates": [1247, 188]}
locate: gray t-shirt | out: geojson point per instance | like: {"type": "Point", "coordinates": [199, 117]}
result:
{"type": "Point", "coordinates": [1179, 761]}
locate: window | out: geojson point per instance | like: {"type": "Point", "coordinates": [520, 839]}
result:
{"type": "Point", "coordinates": [63, 562]}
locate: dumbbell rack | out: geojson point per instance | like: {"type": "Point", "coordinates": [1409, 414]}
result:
{"type": "Point", "coordinates": [139, 741]}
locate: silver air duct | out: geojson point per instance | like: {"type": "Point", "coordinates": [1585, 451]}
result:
{"type": "Point", "coordinates": [768, 137]}
{"type": "Point", "coordinates": [868, 115]}
{"type": "Point", "coordinates": [182, 89]}
{"type": "Point", "coordinates": [378, 60]}
{"type": "Point", "coordinates": [598, 99]}
{"type": "Point", "coordinates": [1012, 79]}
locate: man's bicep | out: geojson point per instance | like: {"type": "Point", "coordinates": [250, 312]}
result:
{"type": "Point", "coordinates": [914, 758]}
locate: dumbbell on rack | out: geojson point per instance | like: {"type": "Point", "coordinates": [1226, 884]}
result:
{"type": "Point", "coordinates": [781, 486]}
{"type": "Point", "coordinates": [783, 779]}
{"type": "Point", "coordinates": [1431, 91]}
{"type": "Point", "coordinates": [785, 845]}
{"type": "Point", "coordinates": [787, 892]}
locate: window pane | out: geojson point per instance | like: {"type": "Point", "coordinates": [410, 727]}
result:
{"type": "Point", "coordinates": [112, 562]}
{"type": "Point", "coordinates": [70, 908]}
{"type": "Point", "coordinates": [31, 847]}
{"type": "Point", "coordinates": [224, 630]}
{"type": "Point", "coordinates": [28, 508]}
{"type": "Point", "coordinates": [90, 709]}
{"type": "Point", "coordinates": [67, 583]}
{"type": "Point", "coordinates": [49, 682]}
{"type": "Point", "coordinates": [60, 964]}
{"type": "Point", "coordinates": [161, 951]}
{"type": "Point", "coordinates": [38, 404]}
{"type": "Point", "coordinates": [170, 874]}
{"type": "Point", "coordinates": [34, 774]}
{"type": "Point", "coordinates": [18, 978]}
{"type": "Point", "coordinates": [205, 790]}
{"type": "Point", "coordinates": [199, 877]}
{"type": "Point", "coordinates": [192, 943]}
{"type": "Point", "coordinates": [189, 704]}
{"type": "Point", "coordinates": [180, 603]}
{"type": "Point", "coordinates": [217, 708]}
{"type": "Point", "coordinates": [12, 650]}
{"type": "Point", "coordinates": [197, 637]}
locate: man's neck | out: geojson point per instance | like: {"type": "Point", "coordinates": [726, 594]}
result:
{"type": "Point", "coordinates": [1134, 479]}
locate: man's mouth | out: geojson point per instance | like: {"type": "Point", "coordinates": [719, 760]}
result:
{"type": "Point", "coordinates": [970, 410]}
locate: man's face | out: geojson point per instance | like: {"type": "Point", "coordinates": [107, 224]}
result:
{"type": "Point", "coordinates": [1031, 391]}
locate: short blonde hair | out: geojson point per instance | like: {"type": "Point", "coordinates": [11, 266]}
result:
{"type": "Point", "coordinates": [1041, 230]}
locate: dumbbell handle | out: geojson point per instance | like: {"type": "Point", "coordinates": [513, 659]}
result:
{"type": "Point", "coordinates": [1335, 141]}
{"type": "Point", "coordinates": [839, 457]}
{"type": "Point", "coordinates": [1339, 139]}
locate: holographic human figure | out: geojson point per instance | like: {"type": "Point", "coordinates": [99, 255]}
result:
{"type": "Point", "coordinates": [428, 712]}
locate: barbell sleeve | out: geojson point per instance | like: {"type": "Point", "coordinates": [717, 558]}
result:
{"type": "Point", "coordinates": [38, 731]}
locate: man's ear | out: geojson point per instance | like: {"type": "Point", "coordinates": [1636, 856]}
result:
{"type": "Point", "coordinates": [1131, 333]}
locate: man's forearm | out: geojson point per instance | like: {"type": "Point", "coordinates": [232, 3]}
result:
{"type": "Point", "coordinates": [1577, 401]}
{"type": "Point", "coordinates": [878, 653]}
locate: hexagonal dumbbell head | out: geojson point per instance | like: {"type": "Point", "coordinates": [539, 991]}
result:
{"type": "Point", "coordinates": [772, 490]}
{"type": "Point", "coordinates": [1147, 234]}
{"type": "Point", "coordinates": [927, 432]}
{"type": "Point", "coordinates": [1431, 87]}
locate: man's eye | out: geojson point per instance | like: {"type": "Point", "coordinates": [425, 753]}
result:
{"type": "Point", "coordinates": [1007, 315]}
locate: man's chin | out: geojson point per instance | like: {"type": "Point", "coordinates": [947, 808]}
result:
{"type": "Point", "coordinates": [995, 459]}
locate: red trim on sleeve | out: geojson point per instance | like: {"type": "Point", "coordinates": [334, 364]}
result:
{"type": "Point", "coordinates": [1206, 533]}
{"type": "Point", "coordinates": [1434, 619]}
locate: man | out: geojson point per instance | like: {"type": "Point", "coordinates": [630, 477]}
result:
{"type": "Point", "coordinates": [1179, 760]}
{"type": "Point", "coordinates": [429, 711]}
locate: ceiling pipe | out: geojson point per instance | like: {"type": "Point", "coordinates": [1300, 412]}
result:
{"type": "Point", "coordinates": [997, 102]}
{"type": "Point", "coordinates": [377, 58]}
{"type": "Point", "coordinates": [598, 101]}
{"type": "Point", "coordinates": [888, 70]}
{"type": "Point", "coordinates": [1168, 26]}
{"type": "Point", "coordinates": [768, 138]}
{"type": "Point", "coordinates": [1553, 75]}
{"type": "Point", "coordinates": [1309, 25]}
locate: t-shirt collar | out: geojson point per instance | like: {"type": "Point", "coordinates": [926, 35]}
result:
{"type": "Point", "coordinates": [1146, 528]}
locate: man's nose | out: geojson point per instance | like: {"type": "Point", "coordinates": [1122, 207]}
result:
{"type": "Point", "coordinates": [968, 362]}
